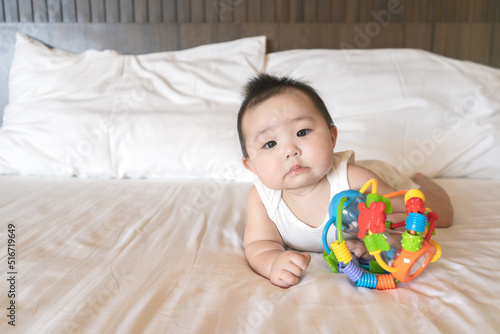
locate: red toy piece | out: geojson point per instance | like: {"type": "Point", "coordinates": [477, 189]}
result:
{"type": "Point", "coordinates": [372, 219]}
{"type": "Point", "coordinates": [432, 217]}
{"type": "Point", "coordinates": [415, 204]}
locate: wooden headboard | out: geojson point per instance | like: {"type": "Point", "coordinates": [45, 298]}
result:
{"type": "Point", "coordinates": [463, 29]}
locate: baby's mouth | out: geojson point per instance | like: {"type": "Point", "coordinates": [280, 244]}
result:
{"type": "Point", "coordinates": [296, 169]}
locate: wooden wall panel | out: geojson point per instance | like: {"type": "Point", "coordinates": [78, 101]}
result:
{"type": "Point", "coordinates": [140, 11]}
{"type": "Point", "coordinates": [324, 11]}
{"type": "Point", "coordinates": [40, 11]}
{"type": "Point", "coordinates": [25, 9]}
{"type": "Point", "coordinates": [154, 11]}
{"type": "Point", "coordinates": [54, 12]}
{"type": "Point", "coordinates": [302, 35]}
{"type": "Point", "coordinates": [418, 36]}
{"type": "Point", "coordinates": [183, 11]}
{"type": "Point", "coordinates": [97, 14]}
{"type": "Point", "coordinates": [475, 41]}
{"type": "Point", "coordinates": [198, 11]}
{"type": "Point", "coordinates": [269, 11]}
{"type": "Point", "coordinates": [169, 11]}
{"type": "Point", "coordinates": [248, 11]}
{"type": "Point", "coordinates": [11, 11]}
{"type": "Point", "coordinates": [111, 11]}
{"type": "Point", "coordinates": [211, 11]}
{"type": "Point", "coordinates": [125, 11]}
{"type": "Point", "coordinates": [194, 35]}
{"type": "Point", "coordinates": [470, 41]}
{"type": "Point", "coordinates": [282, 11]}
{"type": "Point", "coordinates": [68, 9]}
{"type": "Point", "coordinates": [495, 46]}
{"type": "Point", "coordinates": [465, 29]}
{"type": "Point", "coordinates": [234, 11]}
{"type": "Point", "coordinates": [350, 12]}
{"type": "Point", "coordinates": [83, 13]}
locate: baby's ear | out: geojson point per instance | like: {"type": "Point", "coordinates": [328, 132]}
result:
{"type": "Point", "coordinates": [248, 164]}
{"type": "Point", "coordinates": [333, 134]}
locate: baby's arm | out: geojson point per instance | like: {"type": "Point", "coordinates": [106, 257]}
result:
{"type": "Point", "coordinates": [265, 250]}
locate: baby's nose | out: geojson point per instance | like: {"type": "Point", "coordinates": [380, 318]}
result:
{"type": "Point", "coordinates": [292, 150]}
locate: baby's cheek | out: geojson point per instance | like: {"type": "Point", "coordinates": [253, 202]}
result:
{"type": "Point", "coordinates": [271, 181]}
{"type": "Point", "coordinates": [326, 161]}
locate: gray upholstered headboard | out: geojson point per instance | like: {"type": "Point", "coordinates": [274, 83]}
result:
{"type": "Point", "coordinates": [460, 29]}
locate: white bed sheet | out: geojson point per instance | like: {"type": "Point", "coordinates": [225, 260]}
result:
{"type": "Point", "coordinates": [149, 256]}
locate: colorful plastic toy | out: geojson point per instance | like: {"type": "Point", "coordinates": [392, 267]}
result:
{"type": "Point", "coordinates": [355, 212]}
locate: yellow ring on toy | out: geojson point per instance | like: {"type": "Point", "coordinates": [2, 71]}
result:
{"type": "Point", "coordinates": [414, 193]}
{"type": "Point", "coordinates": [341, 251]}
{"type": "Point", "coordinates": [371, 182]}
{"type": "Point", "coordinates": [438, 253]}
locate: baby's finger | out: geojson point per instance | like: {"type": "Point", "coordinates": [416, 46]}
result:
{"type": "Point", "coordinates": [358, 252]}
{"type": "Point", "coordinates": [293, 269]}
{"type": "Point", "coordinates": [301, 260]}
{"type": "Point", "coordinates": [285, 279]}
{"type": "Point", "coordinates": [307, 257]}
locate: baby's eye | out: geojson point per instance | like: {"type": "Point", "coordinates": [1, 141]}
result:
{"type": "Point", "coordinates": [270, 144]}
{"type": "Point", "coordinates": [303, 132]}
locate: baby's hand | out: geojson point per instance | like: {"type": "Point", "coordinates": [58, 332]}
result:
{"type": "Point", "coordinates": [394, 239]}
{"type": "Point", "coordinates": [288, 267]}
{"type": "Point", "coordinates": [358, 248]}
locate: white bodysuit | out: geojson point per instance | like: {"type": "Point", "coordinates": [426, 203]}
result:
{"type": "Point", "coordinates": [303, 237]}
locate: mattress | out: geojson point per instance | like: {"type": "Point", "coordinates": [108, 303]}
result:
{"type": "Point", "coordinates": [166, 256]}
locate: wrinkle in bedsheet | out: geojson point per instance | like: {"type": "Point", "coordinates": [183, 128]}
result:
{"type": "Point", "coordinates": [402, 84]}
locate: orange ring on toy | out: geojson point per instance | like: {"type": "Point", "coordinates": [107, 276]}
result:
{"type": "Point", "coordinates": [406, 260]}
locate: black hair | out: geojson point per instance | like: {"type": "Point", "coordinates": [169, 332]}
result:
{"type": "Point", "coordinates": [265, 86]}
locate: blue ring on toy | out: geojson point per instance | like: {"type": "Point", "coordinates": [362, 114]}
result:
{"type": "Point", "coordinates": [367, 280]}
{"type": "Point", "coordinates": [332, 212]}
{"type": "Point", "coordinates": [416, 222]}
{"type": "Point", "coordinates": [325, 234]}
{"type": "Point", "coordinates": [334, 204]}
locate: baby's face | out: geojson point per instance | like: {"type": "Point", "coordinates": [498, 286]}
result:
{"type": "Point", "coordinates": [289, 143]}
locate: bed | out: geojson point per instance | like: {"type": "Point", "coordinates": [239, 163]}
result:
{"type": "Point", "coordinates": [122, 193]}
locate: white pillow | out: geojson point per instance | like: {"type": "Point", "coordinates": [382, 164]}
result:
{"type": "Point", "coordinates": [103, 114]}
{"type": "Point", "coordinates": [414, 109]}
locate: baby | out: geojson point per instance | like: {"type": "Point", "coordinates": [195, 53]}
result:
{"type": "Point", "coordinates": [288, 138]}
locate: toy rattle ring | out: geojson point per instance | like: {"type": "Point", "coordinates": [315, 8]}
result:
{"type": "Point", "coordinates": [354, 211]}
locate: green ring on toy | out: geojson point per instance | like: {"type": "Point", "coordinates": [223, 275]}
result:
{"type": "Point", "coordinates": [340, 235]}
{"type": "Point", "coordinates": [332, 220]}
